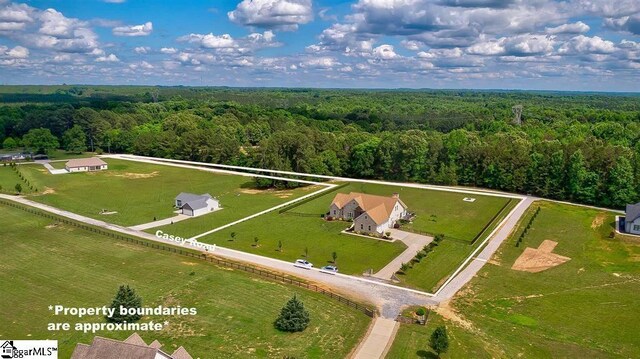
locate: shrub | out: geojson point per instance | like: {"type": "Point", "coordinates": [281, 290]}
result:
{"type": "Point", "coordinates": [439, 340]}
{"type": "Point", "coordinates": [126, 297]}
{"type": "Point", "coordinates": [421, 311]}
{"type": "Point", "coordinates": [293, 317]}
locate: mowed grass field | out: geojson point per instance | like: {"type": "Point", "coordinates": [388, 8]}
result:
{"type": "Point", "coordinates": [8, 180]}
{"type": "Point", "coordinates": [138, 192]}
{"type": "Point", "coordinates": [321, 238]}
{"type": "Point", "coordinates": [436, 211]}
{"type": "Point", "coordinates": [431, 272]}
{"type": "Point", "coordinates": [44, 265]}
{"type": "Point", "coordinates": [585, 308]}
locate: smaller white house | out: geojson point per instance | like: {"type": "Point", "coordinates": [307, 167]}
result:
{"type": "Point", "coordinates": [196, 205]}
{"type": "Point", "coordinates": [632, 219]}
{"type": "Point", "coordinates": [85, 165]}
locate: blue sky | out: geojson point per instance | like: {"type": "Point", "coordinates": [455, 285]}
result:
{"type": "Point", "coordinates": [512, 44]}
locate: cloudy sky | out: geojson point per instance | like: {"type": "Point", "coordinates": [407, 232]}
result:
{"type": "Point", "coordinates": [510, 44]}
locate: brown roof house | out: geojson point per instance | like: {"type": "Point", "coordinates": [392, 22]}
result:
{"type": "Point", "coordinates": [370, 214]}
{"type": "Point", "coordinates": [133, 347]}
{"type": "Point", "coordinates": [85, 165]}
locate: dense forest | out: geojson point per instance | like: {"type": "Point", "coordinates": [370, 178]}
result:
{"type": "Point", "coordinates": [582, 147]}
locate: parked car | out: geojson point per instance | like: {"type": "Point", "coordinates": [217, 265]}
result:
{"type": "Point", "coordinates": [329, 269]}
{"type": "Point", "coordinates": [303, 264]}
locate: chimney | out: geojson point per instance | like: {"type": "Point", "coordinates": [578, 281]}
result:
{"type": "Point", "coordinates": [395, 195]}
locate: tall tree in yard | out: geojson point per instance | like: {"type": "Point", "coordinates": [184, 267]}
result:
{"type": "Point", "coordinates": [439, 340]}
{"type": "Point", "coordinates": [621, 184]}
{"type": "Point", "coordinates": [74, 140]}
{"type": "Point", "coordinates": [127, 298]}
{"type": "Point", "coordinates": [293, 317]}
{"type": "Point", "coordinates": [40, 140]}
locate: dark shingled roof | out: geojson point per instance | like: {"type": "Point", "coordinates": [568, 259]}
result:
{"type": "Point", "coordinates": [632, 212]}
{"type": "Point", "coordinates": [132, 348]}
{"type": "Point", "coordinates": [103, 348]}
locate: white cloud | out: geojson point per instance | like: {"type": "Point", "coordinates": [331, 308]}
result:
{"type": "Point", "coordinates": [142, 49]}
{"type": "Point", "coordinates": [521, 45]}
{"type": "Point", "coordinates": [18, 52]}
{"type": "Point", "coordinates": [324, 62]}
{"type": "Point", "coordinates": [56, 24]}
{"type": "Point", "coordinates": [574, 28]}
{"type": "Point", "coordinates": [587, 45]}
{"type": "Point", "coordinates": [272, 14]}
{"type": "Point", "coordinates": [110, 58]}
{"type": "Point", "coordinates": [210, 41]}
{"type": "Point", "coordinates": [134, 30]}
{"type": "Point", "coordinates": [385, 52]}
{"type": "Point", "coordinates": [629, 24]}
{"type": "Point", "coordinates": [168, 50]}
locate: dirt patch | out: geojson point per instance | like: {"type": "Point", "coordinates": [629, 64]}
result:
{"type": "Point", "coordinates": [598, 220]}
{"type": "Point", "coordinates": [108, 212]}
{"type": "Point", "coordinates": [131, 175]}
{"type": "Point", "coordinates": [252, 191]}
{"type": "Point", "coordinates": [48, 190]}
{"type": "Point", "coordinates": [189, 263]}
{"type": "Point", "coordinates": [449, 313]}
{"type": "Point", "coordinates": [52, 225]}
{"type": "Point", "coordinates": [536, 260]}
{"type": "Point", "coordinates": [278, 193]}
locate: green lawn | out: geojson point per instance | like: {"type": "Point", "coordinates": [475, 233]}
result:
{"type": "Point", "coordinates": [355, 254]}
{"type": "Point", "coordinates": [436, 211]}
{"type": "Point", "coordinates": [44, 265]}
{"type": "Point", "coordinates": [139, 192]}
{"type": "Point", "coordinates": [439, 264]}
{"type": "Point", "coordinates": [586, 307]}
{"type": "Point", "coordinates": [8, 180]}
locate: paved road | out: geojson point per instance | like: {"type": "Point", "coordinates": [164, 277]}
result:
{"type": "Point", "coordinates": [415, 243]}
{"type": "Point", "coordinates": [378, 340]}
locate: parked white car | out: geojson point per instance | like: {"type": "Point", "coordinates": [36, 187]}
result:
{"type": "Point", "coordinates": [301, 263]}
{"type": "Point", "coordinates": [329, 269]}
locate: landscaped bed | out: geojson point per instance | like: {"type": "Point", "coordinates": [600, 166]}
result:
{"type": "Point", "coordinates": [48, 264]}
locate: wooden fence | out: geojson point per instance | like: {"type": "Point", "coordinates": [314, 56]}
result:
{"type": "Point", "coordinates": [195, 254]}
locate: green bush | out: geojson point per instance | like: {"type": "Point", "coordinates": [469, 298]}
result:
{"type": "Point", "coordinates": [293, 317]}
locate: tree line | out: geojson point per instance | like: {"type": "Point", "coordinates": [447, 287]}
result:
{"type": "Point", "coordinates": [578, 147]}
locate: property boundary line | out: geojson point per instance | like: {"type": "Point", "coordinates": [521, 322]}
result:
{"type": "Point", "coordinates": [202, 256]}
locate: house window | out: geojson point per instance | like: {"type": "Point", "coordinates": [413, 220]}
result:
{"type": "Point", "coordinates": [636, 227]}
{"type": "Point", "coordinates": [334, 212]}
{"type": "Point", "coordinates": [362, 226]}
{"type": "Point", "coordinates": [369, 227]}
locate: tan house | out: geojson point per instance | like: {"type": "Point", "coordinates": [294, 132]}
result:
{"type": "Point", "coordinates": [133, 347]}
{"type": "Point", "coordinates": [85, 165]}
{"type": "Point", "coordinates": [370, 213]}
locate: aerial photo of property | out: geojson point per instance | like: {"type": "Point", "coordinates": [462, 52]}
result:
{"type": "Point", "coordinates": [319, 179]}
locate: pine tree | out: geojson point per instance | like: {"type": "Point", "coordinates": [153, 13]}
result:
{"type": "Point", "coordinates": [293, 317]}
{"type": "Point", "coordinates": [127, 298]}
{"type": "Point", "coordinates": [439, 340]}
